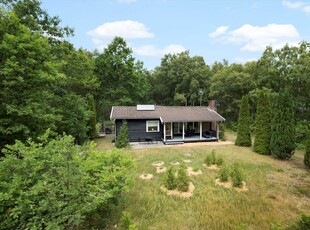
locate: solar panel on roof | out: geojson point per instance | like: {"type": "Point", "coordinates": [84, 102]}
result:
{"type": "Point", "coordinates": [145, 107]}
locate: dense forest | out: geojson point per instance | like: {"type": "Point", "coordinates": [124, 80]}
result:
{"type": "Point", "coordinates": [49, 86]}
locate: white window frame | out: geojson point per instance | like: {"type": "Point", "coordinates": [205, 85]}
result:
{"type": "Point", "coordinates": [152, 131]}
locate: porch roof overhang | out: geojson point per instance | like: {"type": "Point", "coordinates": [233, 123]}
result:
{"type": "Point", "coordinates": [168, 114]}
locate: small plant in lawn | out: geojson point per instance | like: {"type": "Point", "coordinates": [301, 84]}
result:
{"type": "Point", "coordinates": [183, 179]}
{"type": "Point", "coordinates": [195, 169]}
{"type": "Point", "coordinates": [219, 161]}
{"type": "Point", "coordinates": [224, 173]}
{"type": "Point", "coordinates": [304, 222]}
{"type": "Point", "coordinates": [237, 175]}
{"type": "Point", "coordinates": [127, 223]}
{"type": "Point", "coordinates": [170, 180]}
{"type": "Point", "coordinates": [210, 158]}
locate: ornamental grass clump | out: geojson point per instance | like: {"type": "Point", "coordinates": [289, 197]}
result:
{"type": "Point", "coordinates": [237, 175]}
{"type": "Point", "coordinates": [182, 179]}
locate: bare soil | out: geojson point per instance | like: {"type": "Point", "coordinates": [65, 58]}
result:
{"type": "Point", "coordinates": [228, 184]}
{"type": "Point", "coordinates": [190, 171]}
{"type": "Point", "coordinates": [146, 176]}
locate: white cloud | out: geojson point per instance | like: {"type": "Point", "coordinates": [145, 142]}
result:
{"type": "Point", "coordinates": [153, 51]}
{"type": "Point", "coordinates": [126, 29]}
{"type": "Point", "coordinates": [218, 32]}
{"type": "Point", "coordinates": [255, 38]}
{"type": "Point", "coordinates": [297, 5]}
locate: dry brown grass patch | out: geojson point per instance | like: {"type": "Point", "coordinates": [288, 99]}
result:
{"type": "Point", "coordinates": [175, 192]}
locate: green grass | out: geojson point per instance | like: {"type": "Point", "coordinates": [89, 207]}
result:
{"type": "Point", "coordinates": [277, 191]}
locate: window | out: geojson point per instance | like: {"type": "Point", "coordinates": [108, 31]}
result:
{"type": "Point", "coordinates": [152, 126]}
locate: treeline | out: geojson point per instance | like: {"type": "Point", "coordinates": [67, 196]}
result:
{"type": "Point", "coordinates": [47, 83]}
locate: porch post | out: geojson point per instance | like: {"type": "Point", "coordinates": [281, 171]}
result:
{"type": "Point", "coordinates": [200, 132]}
{"type": "Point", "coordinates": [183, 131]}
{"type": "Point", "coordinates": [164, 132]}
{"type": "Point", "coordinates": [217, 131]}
{"type": "Point", "coordinates": [171, 130]}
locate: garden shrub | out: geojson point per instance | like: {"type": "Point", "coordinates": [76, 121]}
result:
{"type": "Point", "coordinates": [237, 175]}
{"type": "Point", "coordinates": [170, 181]}
{"type": "Point", "coordinates": [224, 173]}
{"type": "Point", "coordinates": [210, 158]}
{"type": "Point", "coordinates": [182, 179]}
{"type": "Point", "coordinates": [303, 222]}
{"type": "Point", "coordinates": [58, 185]}
{"type": "Point", "coordinates": [122, 140]}
{"type": "Point", "coordinates": [127, 222]}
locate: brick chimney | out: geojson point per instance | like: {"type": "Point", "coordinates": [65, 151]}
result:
{"type": "Point", "coordinates": [212, 105]}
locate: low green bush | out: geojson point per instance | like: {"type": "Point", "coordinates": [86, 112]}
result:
{"type": "Point", "coordinates": [237, 175]}
{"type": "Point", "coordinates": [182, 179]}
{"type": "Point", "coordinates": [210, 159]}
{"type": "Point", "coordinates": [224, 173]}
{"type": "Point", "coordinates": [170, 180]}
{"type": "Point", "coordinates": [219, 161]}
{"type": "Point", "coordinates": [127, 222]}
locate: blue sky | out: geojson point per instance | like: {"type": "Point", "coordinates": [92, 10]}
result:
{"type": "Point", "coordinates": [236, 30]}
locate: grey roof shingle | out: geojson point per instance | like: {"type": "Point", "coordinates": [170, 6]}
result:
{"type": "Point", "coordinates": [167, 113]}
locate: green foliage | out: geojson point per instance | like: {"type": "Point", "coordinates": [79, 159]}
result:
{"type": "Point", "coordinates": [222, 132]}
{"type": "Point", "coordinates": [244, 122]}
{"type": "Point", "coordinates": [92, 132]}
{"type": "Point", "coordinates": [304, 222]}
{"type": "Point", "coordinates": [170, 180]}
{"type": "Point", "coordinates": [219, 161]}
{"type": "Point", "coordinates": [126, 222]}
{"type": "Point", "coordinates": [262, 125]}
{"type": "Point", "coordinates": [307, 152]}
{"type": "Point", "coordinates": [122, 140]}
{"type": "Point", "coordinates": [122, 80]}
{"type": "Point", "coordinates": [55, 184]}
{"type": "Point", "coordinates": [182, 179]}
{"type": "Point", "coordinates": [224, 173]}
{"type": "Point", "coordinates": [237, 175]}
{"type": "Point", "coordinates": [179, 78]}
{"type": "Point", "coordinates": [283, 127]}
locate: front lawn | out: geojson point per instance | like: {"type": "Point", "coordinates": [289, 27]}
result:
{"type": "Point", "coordinates": [278, 191]}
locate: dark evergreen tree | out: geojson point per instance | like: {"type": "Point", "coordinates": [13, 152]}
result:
{"type": "Point", "coordinates": [307, 152]}
{"type": "Point", "coordinates": [282, 144]}
{"type": "Point", "coordinates": [262, 125]}
{"type": "Point", "coordinates": [122, 139]}
{"type": "Point", "coordinates": [244, 121]}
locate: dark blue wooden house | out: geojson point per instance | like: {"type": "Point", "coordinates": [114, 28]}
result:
{"type": "Point", "coordinates": [168, 123]}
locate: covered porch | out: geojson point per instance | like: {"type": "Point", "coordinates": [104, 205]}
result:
{"type": "Point", "coordinates": [192, 131]}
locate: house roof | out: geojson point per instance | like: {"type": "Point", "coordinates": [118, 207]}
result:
{"type": "Point", "coordinates": [167, 113]}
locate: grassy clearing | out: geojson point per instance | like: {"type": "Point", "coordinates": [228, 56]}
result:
{"type": "Point", "coordinates": [278, 191]}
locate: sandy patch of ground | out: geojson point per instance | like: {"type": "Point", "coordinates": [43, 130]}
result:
{"type": "Point", "coordinates": [161, 169]}
{"type": "Point", "coordinates": [175, 192]}
{"type": "Point", "coordinates": [190, 171]}
{"type": "Point", "coordinates": [228, 184]}
{"type": "Point", "coordinates": [187, 161]}
{"type": "Point", "coordinates": [146, 176]}
{"type": "Point", "coordinates": [174, 162]}
{"type": "Point", "coordinates": [214, 167]}
{"type": "Point", "coordinates": [158, 163]}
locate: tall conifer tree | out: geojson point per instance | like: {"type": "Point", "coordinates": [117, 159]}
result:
{"type": "Point", "coordinates": [282, 142]}
{"type": "Point", "coordinates": [307, 152]}
{"type": "Point", "coordinates": [262, 125]}
{"type": "Point", "coordinates": [244, 121]}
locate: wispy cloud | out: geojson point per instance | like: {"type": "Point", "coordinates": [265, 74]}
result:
{"type": "Point", "coordinates": [304, 6]}
{"type": "Point", "coordinates": [153, 51]}
{"type": "Point", "coordinates": [218, 32]}
{"type": "Point", "coordinates": [256, 38]}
